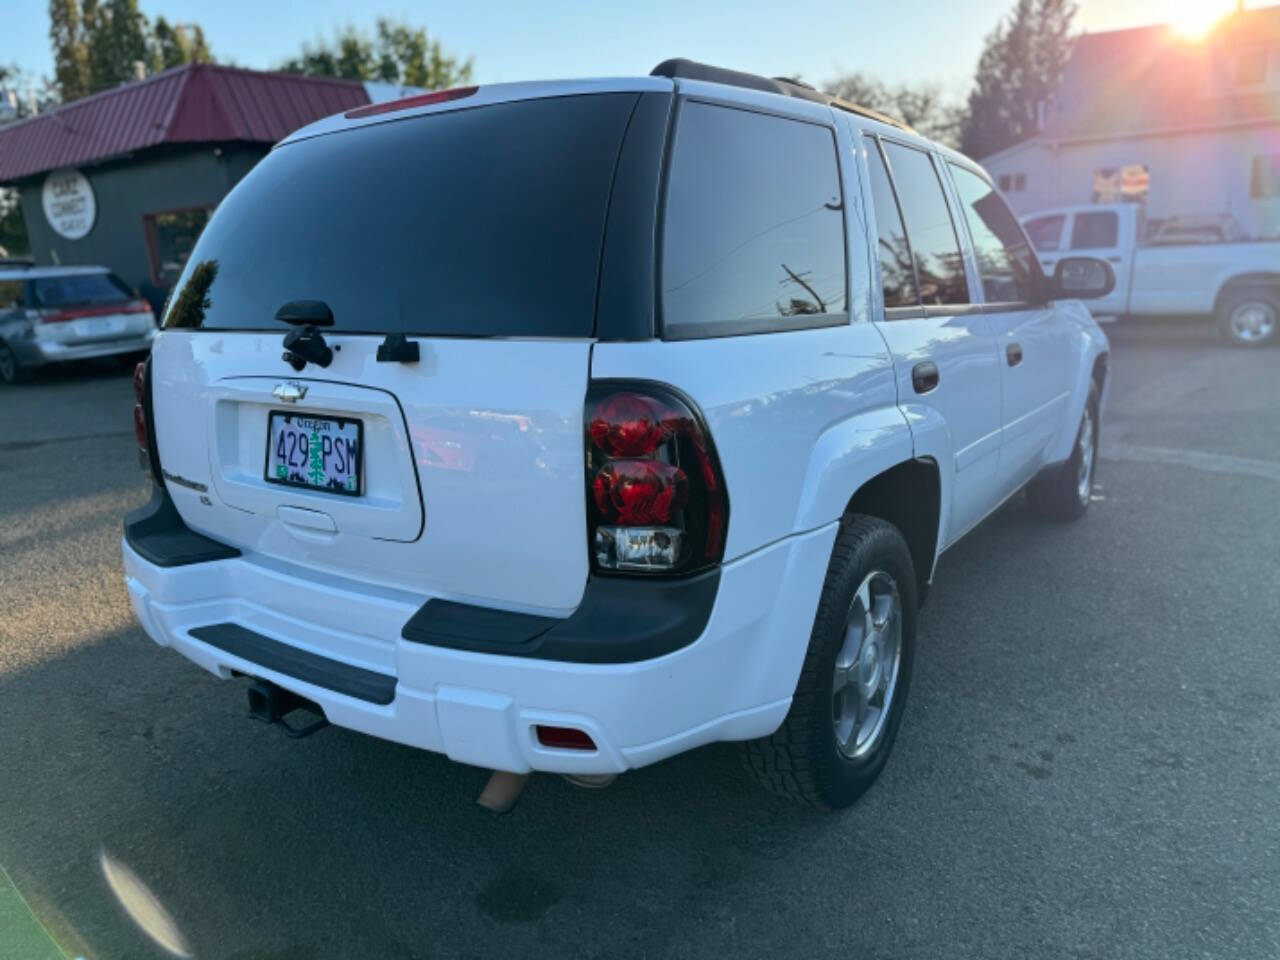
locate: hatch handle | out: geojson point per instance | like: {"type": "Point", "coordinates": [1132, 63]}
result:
{"type": "Point", "coordinates": [398, 348]}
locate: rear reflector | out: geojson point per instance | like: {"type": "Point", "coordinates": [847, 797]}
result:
{"type": "Point", "coordinates": [407, 103]}
{"type": "Point", "coordinates": [564, 738]}
{"type": "Point", "coordinates": [140, 427]}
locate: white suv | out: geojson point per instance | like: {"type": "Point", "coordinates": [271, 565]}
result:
{"type": "Point", "coordinates": [569, 426]}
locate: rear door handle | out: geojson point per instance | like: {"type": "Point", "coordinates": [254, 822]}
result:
{"type": "Point", "coordinates": [924, 376]}
{"type": "Point", "coordinates": [1013, 353]}
{"type": "Point", "coordinates": [1115, 259]}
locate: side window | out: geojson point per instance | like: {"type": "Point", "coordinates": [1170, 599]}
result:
{"type": "Point", "coordinates": [1046, 232]}
{"type": "Point", "coordinates": [10, 294]}
{"type": "Point", "coordinates": [1005, 260]}
{"type": "Point", "coordinates": [1092, 230]}
{"type": "Point", "coordinates": [753, 239]}
{"type": "Point", "coordinates": [896, 273]}
{"type": "Point", "coordinates": [934, 244]}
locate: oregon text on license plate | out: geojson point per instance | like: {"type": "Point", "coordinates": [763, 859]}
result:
{"type": "Point", "coordinates": [322, 453]}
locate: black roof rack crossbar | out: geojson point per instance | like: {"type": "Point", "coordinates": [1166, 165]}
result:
{"type": "Point", "coordinates": [680, 68]}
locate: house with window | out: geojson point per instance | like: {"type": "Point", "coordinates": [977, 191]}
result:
{"type": "Point", "coordinates": [1184, 127]}
{"type": "Point", "coordinates": [127, 178]}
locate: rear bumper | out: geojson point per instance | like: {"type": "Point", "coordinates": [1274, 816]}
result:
{"type": "Point", "coordinates": [734, 681]}
{"type": "Point", "coordinates": [37, 353]}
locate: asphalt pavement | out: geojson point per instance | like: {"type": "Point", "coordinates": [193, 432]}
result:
{"type": "Point", "coordinates": [1089, 765]}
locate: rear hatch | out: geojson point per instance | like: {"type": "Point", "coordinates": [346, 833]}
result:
{"type": "Point", "coordinates": [474, 232]}
{"type": "Point", "coordinates": [75, 309]}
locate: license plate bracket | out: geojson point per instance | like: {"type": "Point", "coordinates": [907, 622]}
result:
{"type": "Point", "coordinates": [319, 452]}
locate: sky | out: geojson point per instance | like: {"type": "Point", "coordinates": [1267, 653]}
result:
{"type": "Point", "coordinates": [894, 40]}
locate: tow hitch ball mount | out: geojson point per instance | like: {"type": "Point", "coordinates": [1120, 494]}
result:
{"type": "Point", "coordinates": [271, 704]}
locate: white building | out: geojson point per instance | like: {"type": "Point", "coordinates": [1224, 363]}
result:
{"type": "Point", "coordinates": [1184, 127]}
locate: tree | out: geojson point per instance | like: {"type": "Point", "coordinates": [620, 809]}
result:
{"type": "Point", "coordinates": [172, 46]}
{"type": "Point", "coordinates": [118, 39]}
{"type": "Point", "coordinates": [399, 53]}
{"type": "Point", "coordinates": [1018, 74]}
{"type": "Point", "coordinates": [70, 49]}
{"type": "Point", "coordinates": [923, 107]}
{"type": "Point", "coordinates": [97, 44]}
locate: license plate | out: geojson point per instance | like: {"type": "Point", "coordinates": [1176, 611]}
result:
{"type": "Point", "coordinates": [319, 453]}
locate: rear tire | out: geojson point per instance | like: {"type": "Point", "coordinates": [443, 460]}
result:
{"type": "Point", "coordinates": [831, 748]}
{"type": "Point", "coordinates": [1250, 318]}
{"type": "Point", "coordinates": [11, 371]}
{"type": "Point", "coordinates": [1063, 494]}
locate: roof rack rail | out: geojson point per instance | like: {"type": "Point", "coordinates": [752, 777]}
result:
{"type": "Point", "coordinates": [17, 262]}
{"type": "Point", "coordinates": [680, 68]}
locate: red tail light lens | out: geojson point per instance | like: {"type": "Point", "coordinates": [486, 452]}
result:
{"type": "Point", "coordinates": [139, 413]}
{"type": "Point", "coordinates": [405, 103]}
{"type": "Point", "coordinates": [655, 494]}
{"type": "Point", "coordinates": [140, 427]}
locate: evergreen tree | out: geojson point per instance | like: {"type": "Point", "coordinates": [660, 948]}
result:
{"type": "Point", "coordinates": [1018, 74]}
{"type": "Point", "coordinates": [399, 54]}
{"type": "Point", "coordinates": [174, 45]}
{"type": "Point", "coordinates": [70, 50]}
{"type": "Point", "coordinates": [118, 39]}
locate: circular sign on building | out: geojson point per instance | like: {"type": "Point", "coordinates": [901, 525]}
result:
{"type": "Point", "coordinates": [69, 204]}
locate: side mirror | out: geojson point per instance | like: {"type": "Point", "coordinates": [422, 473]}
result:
{"type": "Point", "coordinates": [1081, 278]}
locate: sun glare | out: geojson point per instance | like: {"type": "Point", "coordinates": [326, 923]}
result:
{"type": "Point", "coordinates": [1193, 19]}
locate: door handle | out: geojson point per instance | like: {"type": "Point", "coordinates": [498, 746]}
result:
{"type": "Point", "coordinates": [1115, 259]}
{"type": "Point", "coordinates": [924, 376]}
{"type": "Point", "coordinates": [1013, 353]}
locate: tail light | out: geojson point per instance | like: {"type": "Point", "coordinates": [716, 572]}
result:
{"type": "Point", "coordinates": [656, 500]}
{"type": "Point", "coordinates": [144, 421]}
{"type": "Point", "coordinates": [64, 314]}
{"type": "Point", "coordinates": [140, 414]}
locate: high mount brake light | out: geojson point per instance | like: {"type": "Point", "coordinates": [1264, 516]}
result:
{"type": "Point", "coordinates": [407, 103]}
{"type": "Point", "coordinates": [656, 500]}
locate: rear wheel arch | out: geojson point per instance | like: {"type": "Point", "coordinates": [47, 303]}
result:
{"type": "Point", "coordinates": [1268, 282]}
{"type": "Point", "coordinates": [909, 496]}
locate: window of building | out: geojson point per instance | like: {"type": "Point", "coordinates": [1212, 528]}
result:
{"type": "Point", "coordinates": [939, 266]}
{"type": "Point", "coordinates": [1265, 179]}
{"type": "Point", "coordinates": [1019, 181]}
{"type": "Point", "coordinates": [1046, 232]}
{"type": "Point", "coordinates": [897, 275]}
{"type": "Point", "coordinates": [1012, 182]}
{"type": "Point", "coordinates": [1096, 230]}
{"type": "Point", "coordinates": [171, 236]}
{"type": "Point", "coordinates": [1130, 183]}
{"type": "Point", "coordinates": [1006, 182]}
{"type": "Point", "coordinates": [1005, 260]}
{"type": "Point", "coordinates": [754, 228]}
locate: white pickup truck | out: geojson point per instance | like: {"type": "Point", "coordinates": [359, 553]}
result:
{"type": "Point", "coordinates": [1193, 266]}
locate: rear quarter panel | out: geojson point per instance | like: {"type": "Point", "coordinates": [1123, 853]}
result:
{"type": "Point", "coordinates": [800, 419]}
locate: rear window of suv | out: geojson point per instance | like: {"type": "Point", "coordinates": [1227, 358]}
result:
{"type": "Point", "coordinates": [485, 221]}
{"type": "Point", "coordinates": [76, 289]}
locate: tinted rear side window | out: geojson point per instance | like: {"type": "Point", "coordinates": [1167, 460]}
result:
{"type": "Point", "coordinates": [939, 266]}
{"type": "Point", "coordinates": [81, 288]}
{"type": "Point", "coordinates": [1094, 230]}
{"type": "Point", "coordinates": [754, 226]}
{"type": "Point", "coordinates": [897, 274]}
{"type": "Point", "coordinates": [485, 221]}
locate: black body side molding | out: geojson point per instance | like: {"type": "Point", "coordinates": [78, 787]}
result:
{"type": "Point", "coordinates": [620, 620]}
{"type": "Point", "coordinates": [158, 535]}
{"type": "Point", "coordinates": [300, 664]}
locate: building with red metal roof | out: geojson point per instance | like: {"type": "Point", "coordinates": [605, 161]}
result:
{"type": "Point", "coordinates": [127, 177]}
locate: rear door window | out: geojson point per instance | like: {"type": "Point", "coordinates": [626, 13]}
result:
{"type": "Point", "coordinates": [483, 221]}
{"type": "Point", "coordinates": [1092, 231]}
{"type": "Point", "coordinates": [1046, 232]}
{"type": "Point", "coordinates": [897, 274]}
{"type": "Point", "coordinates": [753, 239]}
{"type": "Point", "coordinates": [76, 289]}
{"type": "Point", "coordinates": [934, 244]}
{"type": "Point", "coordinates": [1006, 263]}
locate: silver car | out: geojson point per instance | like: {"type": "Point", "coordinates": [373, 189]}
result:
{"type": "Point", "coordinates": [50, 314]}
